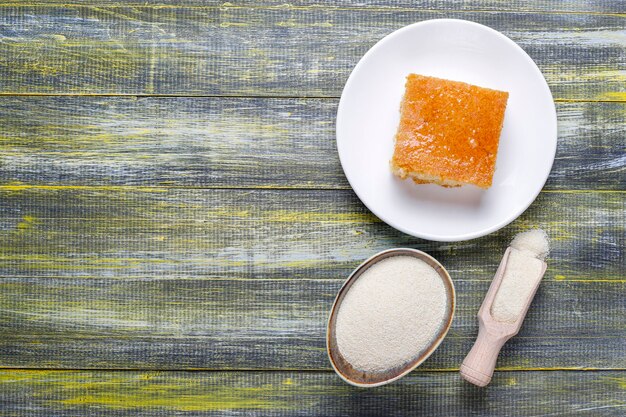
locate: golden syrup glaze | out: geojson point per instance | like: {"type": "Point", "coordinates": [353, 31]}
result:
{"type": "Point", "coordinates": [449, 132]}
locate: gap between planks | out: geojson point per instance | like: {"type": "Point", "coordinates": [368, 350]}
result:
{"type": "Point", "coordinates": [313, 7]}
{"type": "Point", "coordinates": [164, 188]}
{"type": "Point", "coordinates": [309, 371]}
{"type": "Point", "coordinates": [266, 280]}
{"type": "Point", "coordinates": [235, 96]}
{"type": "Point", "coordinates": [450, 336]}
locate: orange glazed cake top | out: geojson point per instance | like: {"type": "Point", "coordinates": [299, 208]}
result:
{"type": "Point", "coordinates": [449, 132]}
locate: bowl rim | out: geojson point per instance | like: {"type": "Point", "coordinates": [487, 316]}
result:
{"type": "Point", "coordinates": [450, 302]}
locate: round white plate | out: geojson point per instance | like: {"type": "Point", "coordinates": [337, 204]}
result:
{"type": "Point", "coordinates": [368, 117]}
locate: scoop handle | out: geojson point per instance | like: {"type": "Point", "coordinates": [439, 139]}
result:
{"type": "Point", "coordinates": [480, 362]}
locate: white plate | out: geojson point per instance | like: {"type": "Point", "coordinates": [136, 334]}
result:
{"type": "Point", "coordinates": [368, 117]}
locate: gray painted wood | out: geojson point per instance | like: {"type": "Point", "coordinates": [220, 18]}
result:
{"type": "Point", "coordinates": [252, 51]}
{"type": "Point", "coordinates": [217, 142]}
{"type": "Point", "coordinates": [106, 263]}
{"type": "Point", "coordinates": [196, 233]}
{"type": "Point", "coordinates": [33, 393]}
{"type": "Point", "coordinates": [244, 279]}
{"type": "Point", "coordinates": [547, 6]}
{"type": "Point", "coordinates": [272, 325]}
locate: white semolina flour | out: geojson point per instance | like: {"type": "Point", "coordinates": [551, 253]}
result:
{"type": "Point", "coordinates": [522, 274]}
{"type": "Point", "coordinates": [534, 242]}
{"type": "Point", "coordinates": [391, 313]}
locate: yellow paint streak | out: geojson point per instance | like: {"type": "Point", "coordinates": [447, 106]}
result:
{"type": "Point", "coordinates": [27, 223]}
{"type": "Point", "coordinates": [229, 213]}
{"type": "Point", "coordinates": [510, 382]}
{"type": "Point", "coordinates": [101, 56]}
{"type": "Point", "coordinates": [56, 37]}
{"type": "Point", "coordinates": [86, 263]}
{"type": "Point", "coordinates": [563, 278]}
{"type": "Point", "coordinates": [615, 96]}
{"type": "Point", "coordinates": [17, 375]}
{"type": "Point", "coordinates": [22, 187]}
{"type": "Point", "coordinates": [94, 259]}
{"type": "Point", "coordinates": [621, 382]}
{"type": "Point", "coordinates": [181, 394]}
{"type": "Point", "coordinates": [311, 217]}
{"type": "Point", "coordinates": [12, 186]}
{"type": "Point", "coordinates": [287, 23]}
{"type": "Point", "coordinates": [184, 402]}
{"type": "Point", "coordinates": [147, 390]}
{"type": "Point", "coordinates": [235, 24]}
{"type": "Point", "coordinates": [228, 6]}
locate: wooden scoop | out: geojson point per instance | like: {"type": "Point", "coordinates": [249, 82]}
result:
{"type": "Point", "coordinates": [480, 362]}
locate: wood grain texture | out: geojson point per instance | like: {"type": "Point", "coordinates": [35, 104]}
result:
{"type": "Point", "coordinates": [251, 51]}
{"type": "Point", "coordinates": [162, 233]}
{"type": "Point", "coordinates": [141, 234]}
{"type": "Point", "coordinates": [272, 325]}
{"type": "Point", "coordinates": [548, 6]}
{"type": "Point", "coordinates": [217, 142]}
{"type": "Point", "coordinates": [29, 393]}
{"type": "Point", "coordinates": [244, 279]}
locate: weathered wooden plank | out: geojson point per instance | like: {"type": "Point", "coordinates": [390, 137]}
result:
{"type": "Point", "coordinates": [271, 52]}
{"type": "Point", "coordinates": [79, 393]}
{"type": "Point", "coordinates": [216, 142]}
{"type": "Point", "coordinates": [268, 324]}
{"type": "Point", "coordinates": [167, 233]}
{"type": "Point", "coordinates": [118, 277]}
{"type": "Point", "coordinates": [551, 6]}
{"type": "Point", "coordinates": [181, 233]}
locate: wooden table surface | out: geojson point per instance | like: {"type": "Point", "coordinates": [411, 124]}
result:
{"type": "Point", "coordinates": [175, 224]}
